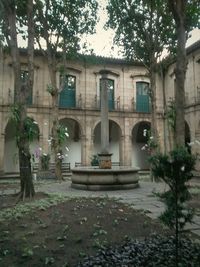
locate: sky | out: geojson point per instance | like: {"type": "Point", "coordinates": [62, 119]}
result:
{"type": "Point", "coordinates": [102, 41]}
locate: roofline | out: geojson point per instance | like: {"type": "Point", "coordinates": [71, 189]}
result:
{"type": "Point", "coordinates": [93, 59]}
{"type": "Point", "coordinates": [193, 47]}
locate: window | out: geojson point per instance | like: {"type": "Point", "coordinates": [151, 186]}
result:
{"type": "Point", "coordinates": [68, 93]}
{"type": "Point", "coordinates": [142, 97]}
{"type": "Point", "coordinates": [24, 77]}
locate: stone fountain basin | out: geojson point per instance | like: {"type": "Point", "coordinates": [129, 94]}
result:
{"type": "Point", "coordinates": [93, 178]}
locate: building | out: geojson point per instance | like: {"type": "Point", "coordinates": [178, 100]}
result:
{"type": "Point", "coordinates": [79, 108]}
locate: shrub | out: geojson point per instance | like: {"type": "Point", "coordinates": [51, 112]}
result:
{"type": "Point", "coordinates": [45, 158]}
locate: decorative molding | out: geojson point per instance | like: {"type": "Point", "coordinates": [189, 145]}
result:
{"type": "Point", "coordinates": [24, 65]}
{"type": "Point", "coordinates": [74, 69]}
{"type": "Point", "coordinates": [107, 72]}
{"type": "Point", "coordinates": [133, 76]}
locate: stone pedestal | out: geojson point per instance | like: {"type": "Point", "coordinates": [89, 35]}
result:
{"type": "Point", "coordinates": [105, 161]}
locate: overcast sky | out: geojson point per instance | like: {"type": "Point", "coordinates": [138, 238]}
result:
{"type": "Point", "coordinates": [102, 41]}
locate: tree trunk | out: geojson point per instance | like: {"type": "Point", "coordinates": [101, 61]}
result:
{"type": "Point", "coordinates": [55, 114]}
{"type": "Point", "coordinates": [178, 8]}
{"type": "Point", "coordinates": [51, 57]}
{"type": "Point", "coordinates": [180, 72]}
{"type": "Point", "coordinates": [154, 130]}
{"type": "Point", "coordinates": [27, 188]}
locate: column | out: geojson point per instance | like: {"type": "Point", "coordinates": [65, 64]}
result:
{"type": "Point", "coordinates": [104, 114]}
{"type": "Point", "coordinates": [2, 144]}
{"type": "Point", "coordinates": [125, 150]}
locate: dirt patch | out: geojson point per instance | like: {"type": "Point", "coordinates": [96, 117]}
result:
{"type": "Point", "coordinates": [61, 235]}
{"type": "Point", "coordinates": [9, 201]}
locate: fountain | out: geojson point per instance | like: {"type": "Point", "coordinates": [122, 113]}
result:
{"type": "Point", "coordinates": [104, 177]}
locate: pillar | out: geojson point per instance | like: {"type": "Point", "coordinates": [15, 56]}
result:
{"type": "Point", "coordinates": [2, 144]}
{"type": "Point", "coordinates": [125, 150]}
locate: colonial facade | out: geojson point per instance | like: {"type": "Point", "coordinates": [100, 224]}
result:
{"type": "Point", "coordinates": [79, 108]}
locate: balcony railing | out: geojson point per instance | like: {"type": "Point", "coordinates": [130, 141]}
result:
{"type": "Point", "coordinates": [114, 104]}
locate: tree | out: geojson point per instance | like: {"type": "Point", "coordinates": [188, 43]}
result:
{"type": "Point", "coordinates": [175, 170]}
{"type": "Point", "coordinates": [61, 24]}
{"type": "Point", "coordinates": [186, 14]}
{"type": "Point", "coordinates": [143, 29]}
{"type": "Point", "coordinates": [12, 10]}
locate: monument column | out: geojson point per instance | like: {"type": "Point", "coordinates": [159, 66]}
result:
{"type": "Point", "coordinates": [104, 114]}
{"type": "Point", "coordinates": [104, 155]}
{"type": "Point", "coordinates": [2, 144]}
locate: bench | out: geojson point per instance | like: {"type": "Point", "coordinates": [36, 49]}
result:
{"type": "Point", "coordinates": [78, 164]}
{"type": "Point", "coordinates": [114, 164]}
{"type": "Point", "coordinates": [65, 167]}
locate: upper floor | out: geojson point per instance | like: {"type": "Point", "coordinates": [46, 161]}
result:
{"type": "Point", "coordinates": [192, 81]}
{"type": "Point", "coordinates": [128, 84]}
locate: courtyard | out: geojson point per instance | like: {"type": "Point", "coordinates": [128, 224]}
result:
{"type": "Point", "coordinates": [63, 225]}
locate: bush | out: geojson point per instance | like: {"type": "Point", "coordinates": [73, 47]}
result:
{"type": "Point", "coordinates": [95, 160]}
{"type": "Point", "coordinates": [45, 159]}
{"type": "Point", "coordinates": [156, 251]}
{"type": "Point", "coordinates": [175, 169]}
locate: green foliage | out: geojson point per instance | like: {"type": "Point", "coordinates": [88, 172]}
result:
{"type": "Point", "coordinates": [51, 90]}
{"type": "Point", "coordinates": [27, 252]}
{"type": "Point", "coordinates": [30, 129]}
{"type": "Point", "coordinates": [151, 143]}
{"type": "Point", "coordinates": [143, 28]}
{"type": "Point", "coordinates": [15, 114]}
{"type": "Point", "coordinates": [62, 134]}
{"type": "Point", "coordinates": [66, 21]}
{"type": "Point", "coordinates": [49, 260]}
{"type": "Point", "coordinates": [95, 160]}
{"type": "Point", "coordinates": [45, 159]}
{"type": "Point", "coordinates": [28, 208]}
{"type": "Point", "coordinates": [171, 115]}
{"type": "Point", "coordinates": [175, 169]}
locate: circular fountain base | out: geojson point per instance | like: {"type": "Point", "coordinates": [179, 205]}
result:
{"type": "Point", "coordinates": [93, 178]}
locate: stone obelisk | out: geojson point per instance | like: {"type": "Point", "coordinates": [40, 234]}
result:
{"type": "Point", "coordinates": [104, 155]}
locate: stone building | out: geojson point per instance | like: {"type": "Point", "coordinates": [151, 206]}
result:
{"type": "Point", "coordinates": [79, 108]}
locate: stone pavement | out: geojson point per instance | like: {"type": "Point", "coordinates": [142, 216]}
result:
{"type": "Point", "coordinates": [141, 198]}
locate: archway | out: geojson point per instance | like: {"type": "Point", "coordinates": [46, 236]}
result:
{"type": "Point", "coordinates": [114, 140]}
{"type": "Point", "coordinates": [11, 159]}
{"type": "Point", "coordinates": [187, 136]}
{"type": "Point", "coordinates": [71, 149]}
{"type": "Point", "coordinates": [187, 133]}
{"type": "Point", "coordinates": [139, 139]}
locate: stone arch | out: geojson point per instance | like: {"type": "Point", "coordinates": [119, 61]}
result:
{"type": "Point", "coordinates": [115, 133]}
{"type": "Point", "coordinates": [11, 160]}
{"type": "Point", "coordinates": [113, 120]}
{"type": "Point", "coordinates": [139, 139]}
{"type": "Point", "coordinates": [187, 136]}
{"type": "Point", "coordinates": [187, 133]}
{"type": "Point", "coordinates": [79, 121]}
{"type": "Point", "coordinates": [72, 147]}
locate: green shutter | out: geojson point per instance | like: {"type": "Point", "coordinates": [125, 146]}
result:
{"type": "Point", "coordinates": [68, 94]}
{"type": "Point", "coordinates": [142, 97]}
